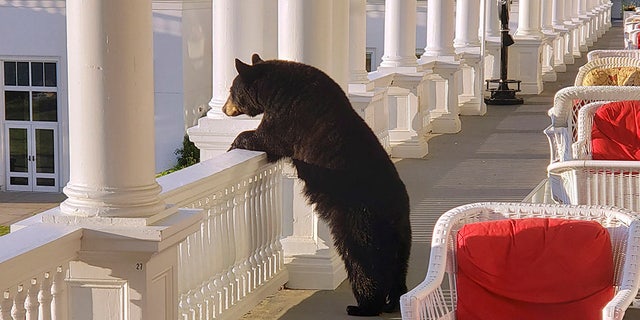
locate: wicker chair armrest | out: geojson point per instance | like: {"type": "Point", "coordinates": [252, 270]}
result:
{"type": "Point", "coordinates": [560, 141]}
{"type": "Point", "coordinates": [628, 289]}
{"type": "Point", "coordinates": [597, 54]}
{"type": "Point", "coordinates": [615, 309]}
{"type": "Point", "coordinates": [581, 149]}
{"type": "Point", "coordinates": [563, 102]}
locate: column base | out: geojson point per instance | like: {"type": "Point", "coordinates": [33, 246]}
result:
{"type": "Point", "coordinates": [407, 121]}
{"type": "Point", "coordinates": [472, 106]}
{"type": "Point", "coordinates": [110, 202]}
{"type": "Point", "coordinates": [560, 68]}
{"type": "Point", "coordinates": [442, 96]}
{"type": "Point", "coordinates": [415, 148]}
{"type": "Point", "coordinates": [445, 122]}
{"type": "Point", "coordinates": [214, 136]}
{"type": "Point", "coordinates": [321, 271]}
{"type": "Point", "coordinates": [525, 64]}
{"type": "Point", "coordinates": [371, 106]}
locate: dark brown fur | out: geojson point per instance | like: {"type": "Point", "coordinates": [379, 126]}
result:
{"type": "Point", "coordinates": [347, 173]}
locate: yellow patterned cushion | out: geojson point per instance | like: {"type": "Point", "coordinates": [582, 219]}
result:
{"type": "Point", "coordinates": [619, 76]}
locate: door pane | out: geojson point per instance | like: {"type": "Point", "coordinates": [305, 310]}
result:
{"type": "Point", "coordinates": [37, 74]}
{"type": "Point", "coordinates": [23, 73]}
{"type": "Point", "coordinates": [46, 182]}
{"type": "Point", "coordinates": [19, 181]}
{"type": "Point", "coordinates": [45, 155]}
{"type": "Point", "coordinates": [45, 106]}
{"type": "Point", "coordinates": [50, 74]}
{"type": "Point", "coordinates": [16, 105]}
{"type": "Point", "coordinates": [18, 161]}
{"type": "Point", "coordinates": [10, 74]}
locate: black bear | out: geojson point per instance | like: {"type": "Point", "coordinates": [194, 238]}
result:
{"type": "Point", "coordinates": [348, 175]}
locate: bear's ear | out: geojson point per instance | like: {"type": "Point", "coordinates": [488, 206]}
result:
{"type": "Point", "coordinates": [255, 59]}
{"type": "Point", "coordinates": [242, 67]}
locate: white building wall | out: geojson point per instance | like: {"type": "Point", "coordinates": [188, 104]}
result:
{"type": "Point", "coordinates": [182, 72]}
{"type": "Point", "coordinates": [33, 30]}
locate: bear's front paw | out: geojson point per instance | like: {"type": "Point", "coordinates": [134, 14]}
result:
{"type": "Point", "coordinates": [244, 140]}
{"type": "Point", "coordinates": [361, 312]}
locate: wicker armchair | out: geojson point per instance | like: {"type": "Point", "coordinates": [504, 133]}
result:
{"type": "Point", "coordinates": [594, 182]}
{"type": "Point", "coordinates": [436, 297]}
{"type": "Point", "coordinates": [609, 71]}
{"type": "Point", "coordinates": [597, 54]}
{"type": "Point", "coordinates": [562, 132]}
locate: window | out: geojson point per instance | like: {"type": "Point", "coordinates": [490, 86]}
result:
{"type": "Point", "coordinates": [31, 91]}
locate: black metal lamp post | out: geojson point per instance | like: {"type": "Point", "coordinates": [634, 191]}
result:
{"type": "Point", "coordinates": [501, 94]}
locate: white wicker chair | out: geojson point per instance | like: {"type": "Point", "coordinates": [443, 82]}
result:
{"type": "Point", "coordinates": [562, 132]}
{"type": "Point", "coordinates": [435, 297]}
{"type": "Point", "coordinates": [594, 182]}
{"type": "Point", "coordinates": [597, 54]}
{"type": "Point", "coordinates": [604, 63]}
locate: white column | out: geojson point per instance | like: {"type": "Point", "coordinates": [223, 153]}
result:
{"type": "Point", "coordinates": [340, 43]}
{"type": "Point", "coordinates": [311, 44]}
{"type": "Point", "coordinates": [492, 40]}
{"type": "Point", "coordinates": [467, 23]}
{"type": "Point", "coordinates": [548, 71]}
{"type": "Point", "coordinates": [525, 56]}
{"type": "Point", "coordinates": [237, 33]}
{"type": "Point", "coordinates": [240, 28]}
{"type": "Point", "coordinates": [311, 260]}
{"type": "Point", "coordinates": [440, 29]}
{"type": "Point", "coordinates": [111, 110]}
{"type": "Point", "coordinates": [399, 34]}
{"type": "Point", "coordinates": [357, 44]}
{"type": "Point", "coordinates": [529, 19]}
{"type": "Point", "coordinates": [580, 45]}
{"type": "Point", "coordinates": [573, 44]}
{"type": "Point", "coordinates": [467, 44]}
{"type": "Point", "coordinates": [557, 21]}
{"type": "Point", "coordinates": [492, 24]}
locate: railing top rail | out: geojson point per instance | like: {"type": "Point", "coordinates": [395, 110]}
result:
{"type": "Point", "coordinates": [222, 169]}
{"type": "Point", "coordinates": [36, 248]}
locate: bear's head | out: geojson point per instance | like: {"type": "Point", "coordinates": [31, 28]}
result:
{"type": "Point", "coordinates": [241, 98]}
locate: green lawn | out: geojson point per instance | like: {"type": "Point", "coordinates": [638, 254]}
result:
{"type": "Point", "coordinates": [4, 230]}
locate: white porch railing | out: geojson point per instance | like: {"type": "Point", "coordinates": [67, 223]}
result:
{"type": "Point", "coordinates": [222, 266]}
{"type": "Point", "coordinates": [33, 265]}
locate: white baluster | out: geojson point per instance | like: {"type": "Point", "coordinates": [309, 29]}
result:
{"type": "Point", "coordinates": [240, 232]}
{"type": "Point", "coordinates": [264, 226]}
{"type": "Point", "coordinates": [255, 235]}
{"type": "Point", "coordinates": [229, 250]}
{"type": "Point", "coordinates": [5, 306]}
{"type": "Point", "coordinates": [45, 297]}
{"type": "Point", "coordinates": [268, 212]}
{"type": "Point", "coordinates": [57, 295]}
{"type": "Point", "coordinates": [18, 311]}
{"type": "Point", "coordinates": [31, 301]}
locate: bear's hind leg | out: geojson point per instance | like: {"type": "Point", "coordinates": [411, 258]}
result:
{"type": "Point", "coordinates": [370, 287]}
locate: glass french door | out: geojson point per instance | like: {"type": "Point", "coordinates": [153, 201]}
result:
{"type": "Point", "coordinates": [30, 107]}
{"type": "Point", "coordinates": [32, 157]}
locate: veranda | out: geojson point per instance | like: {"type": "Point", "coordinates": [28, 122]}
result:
{"type": "Point", "coordinates": [213, 240]}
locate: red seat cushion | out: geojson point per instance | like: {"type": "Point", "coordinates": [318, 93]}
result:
{"type": "Point", "coordinates": [615, 134]}
{"type": "Point", "coordinates": [533, 269]}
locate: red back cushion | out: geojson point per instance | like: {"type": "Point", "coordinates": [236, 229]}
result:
{"type": "Point", "coordinates": [615, 134]}
{"type": "Point", "coordinates": [533, 269]}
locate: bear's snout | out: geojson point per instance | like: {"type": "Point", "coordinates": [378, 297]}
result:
{"type": "Point", "coordinates": [230, 108]}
